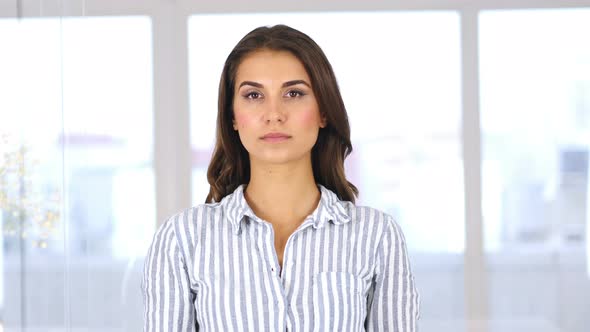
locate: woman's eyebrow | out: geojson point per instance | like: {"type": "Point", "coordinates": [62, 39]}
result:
{"type": "Point", "coordinates": [286, 84]}
{"type": "Point", "coordinates": [254, 84]}
{"type": "Point", "coordinates": [295, 82]}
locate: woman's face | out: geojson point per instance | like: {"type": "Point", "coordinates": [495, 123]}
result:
{"type": "Point", "coordinates": [275, 110]}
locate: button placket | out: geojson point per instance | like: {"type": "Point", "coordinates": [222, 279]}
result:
{"type": "Point", "coordinates": [288, 260]}
{"type": "Point", "coordinates": [266, 237]}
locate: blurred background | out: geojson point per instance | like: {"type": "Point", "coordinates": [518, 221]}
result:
{"type": "Point", "coordinates": [470, 125]}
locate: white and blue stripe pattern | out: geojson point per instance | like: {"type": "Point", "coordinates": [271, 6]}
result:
{"type": "Point", "coordinates": [213, 267]}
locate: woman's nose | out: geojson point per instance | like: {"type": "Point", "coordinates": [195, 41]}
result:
{"type": "Point", "coordinates": [275, 112]}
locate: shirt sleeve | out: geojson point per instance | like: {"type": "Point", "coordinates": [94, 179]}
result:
{"type": "Point", "coordinates": [168, 299]}
{"type": "Point", "coordinates": [395, 302]}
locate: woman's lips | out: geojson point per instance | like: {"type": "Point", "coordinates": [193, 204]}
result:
{"type": "Point", "coordinates": [275, 137]}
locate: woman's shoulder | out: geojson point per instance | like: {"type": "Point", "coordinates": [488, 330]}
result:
{"type": "Point", "coordinates": [206, 215]}
{"type": "Point", "coordinates": [182, 228]}
{"type": "Point", "coordinates": [371, 216]}
{"type": "Point", "coordinates": [364, 213]}
{"type": "Point", "coordinates": [347, 212]}
{"type": "Point", "coordinates": [191, 216]}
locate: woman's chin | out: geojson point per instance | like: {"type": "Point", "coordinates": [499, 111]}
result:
{"type": "Point", "coordinates": [278, 159]}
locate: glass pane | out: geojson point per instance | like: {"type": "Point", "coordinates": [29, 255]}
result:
{"type": "Point", "coordinates": [404, 108]}
{"type": "Point", "coordinates": [76, 164]}
{"type": "Point", "coordinates": [535, 102]}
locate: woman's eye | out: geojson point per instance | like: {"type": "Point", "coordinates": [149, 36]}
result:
{"type": "Point", "coordinates": [253, 95]}
{"type": "Point", "coordinates": [295, 93]}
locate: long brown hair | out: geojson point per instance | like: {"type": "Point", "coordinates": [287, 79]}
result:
{"type": "Point", "coordinates": [230, 163]}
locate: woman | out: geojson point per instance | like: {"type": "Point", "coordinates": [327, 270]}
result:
{"type": "Point", "coordinates": [279, 244]}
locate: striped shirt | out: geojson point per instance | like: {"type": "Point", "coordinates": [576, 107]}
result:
{"type": "Point", "coordinates": [213, 267]}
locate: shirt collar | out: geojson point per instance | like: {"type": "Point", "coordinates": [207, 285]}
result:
{"type": "Point", "coordinates": [329, 209]}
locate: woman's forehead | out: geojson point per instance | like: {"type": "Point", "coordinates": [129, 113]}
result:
{"type": "Point", "coordinates": [270, 65]}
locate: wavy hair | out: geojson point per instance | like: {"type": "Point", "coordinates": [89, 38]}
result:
{"type": "Point", "coordinates": [230, 163]}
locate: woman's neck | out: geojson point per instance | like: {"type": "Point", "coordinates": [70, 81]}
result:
{"type": "Point", "coordinates": [282, 194]}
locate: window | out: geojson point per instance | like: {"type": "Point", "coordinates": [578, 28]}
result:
{"type": "Point", "coordinates": [81, 208]}
{"type": "Point", "coordinates": [535, 106]}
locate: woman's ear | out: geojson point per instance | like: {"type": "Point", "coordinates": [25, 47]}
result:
{"type": "Point", "coordinates": [233, 122]}
{"type": "Point", "coordinates": [323, 121]}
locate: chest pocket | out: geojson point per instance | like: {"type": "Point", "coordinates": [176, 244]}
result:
{"type": "Point", "coordinates": [339, 303]}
